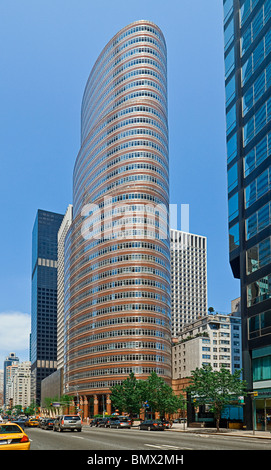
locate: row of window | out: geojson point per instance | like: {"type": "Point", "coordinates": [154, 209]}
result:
{"type": "Point", "coordinates": [108, 57]}
{"type": "Point", "coordinates": [256, 57]}
{"type": "Point", "coordinates": [259, 290]}
{"type": "Point", "coordinates": [259, 255]}
{"type": "Point", "coordinates": [118, 148]}
{"type": "Point", "coordinates": [117, 371]}
{"type": "Point", "coordinates": [98, 348]}
{"type": "Point", "coordinates": [119, 358]}
{"type": "Point", "coordinates": [255, 26]}
{"type": "Point", "coordinates": [124, 270]}
{"type": "Point", "coordinates": [108, 163]}
{"type": "Point", "coordinates": [114, 321]}
{"type": "Point", "coordinates": [122, 283]}
{"type": "Point", "coordinates": [261, 84]}
{"type": "Point", "coordinates": [110, 103]}
{"type": "Point", "coordinates": [105, 335]}
{"type": "Point", "coordinates": [259, 325]}
{"type": "Point", "coordinates": [119, 295]}
{"type": "Point", "coordinates": [91, 143]}
{"type": "Point", "coordinates": [258, 221]}
{"type": "Point", "coordinates": [93, 86]}
{"type": "Point", "coordinates": [257, 155]}
{"type": "Point", "coordinates": [260, 186]}
{"type": "Point", "coordinates": [122, 308]}
{"type": "Point", "coordinates": [253, 192]}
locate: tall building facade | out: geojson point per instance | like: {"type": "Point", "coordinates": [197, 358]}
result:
{"type": "Point", "coordinates": [117, 311]}
{"type": "Point", "coordinates": [44, 298]}
{"type": "Point", "coordinates": [10, 360]}
{"type": "Point", "coordinates": [64, 227]}
{"type": "Point", "coordinates": [19, 384]}
{"type": "Point", "coordinates": [188, 278]}
{"type": "Point", "coordinates": [247, 52]}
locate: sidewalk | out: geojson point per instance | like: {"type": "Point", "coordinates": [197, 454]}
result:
{"type": "Point", "coordinates": [222, 432]}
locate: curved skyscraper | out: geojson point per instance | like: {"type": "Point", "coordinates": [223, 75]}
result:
{"type": "Point", "coordinates": [117, 299]}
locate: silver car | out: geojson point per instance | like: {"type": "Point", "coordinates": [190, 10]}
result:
{"type": "Point", "coordinates": [70, 422]}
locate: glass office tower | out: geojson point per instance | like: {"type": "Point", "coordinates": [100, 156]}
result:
{"type": "Point", "coordinates": [247, 34]}
{"type": "Point", "coordinates": [44, 299]}
{"type": "Point", "coordinates": [117, 312]}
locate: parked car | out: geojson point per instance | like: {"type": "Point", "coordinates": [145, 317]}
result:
{"type": "Point", "coordinates": [70, 422]}
{"type": "Point", "coordinates": [48, 423]}
{"type": "Point", "coordinates": [166, 424]}
{"type": "Point", "coordinates": [125, 421]}
{"type": "Point", "coordinates": [95, 422]}
{"type": "Point", "coordinates": [112, 422]}
{"type": "Point", "coordinates": [102, 423]}
{"type": "Point", "coordinates": [13, 437]}
{"type": "Point", "coordinates": [152, 425]}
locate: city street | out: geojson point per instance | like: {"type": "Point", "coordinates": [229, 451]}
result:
{"type": "Point", "coordinates": [133, 439]}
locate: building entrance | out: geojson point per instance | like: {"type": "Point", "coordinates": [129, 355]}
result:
{"type": "Point", "coordinates": [263, 414]}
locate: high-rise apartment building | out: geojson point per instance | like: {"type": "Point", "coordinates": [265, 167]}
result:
{"type": "Point", "coordinates": [64, 227]}
{"type": "Point", "coordinates": [247, 51]}
{"type": "Point", "coordinates": [188, 278]}
{"type": "Point", "coordinates": [19, 384]}
{"type": "Point", "coordinates": [117, 310]}
{"type": "Point", "coordinates": [10, 360]}
{"type": "Point", "coordinates": [44, 298]}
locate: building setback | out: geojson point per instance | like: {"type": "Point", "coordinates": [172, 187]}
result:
{"type": "Point", "coordinates": [44, 299]}
{"type": "Point", "coordinates": [247, 52]}
{"type": "Point", "coordinates": [188, 278]}
{"type": "Point", "coordinates": [117, 310]}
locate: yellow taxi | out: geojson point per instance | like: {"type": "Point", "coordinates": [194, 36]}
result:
{"type": "Point", "coordinates": [12, 437]}
{"type": "Point", "coordinates": [32, 422]}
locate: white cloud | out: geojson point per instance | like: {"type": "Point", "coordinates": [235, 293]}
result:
{"type": "Point", "coordinates": [14, 332]}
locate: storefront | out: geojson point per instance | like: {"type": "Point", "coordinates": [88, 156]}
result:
{"type": "Point", "coordinates": [262, 410]}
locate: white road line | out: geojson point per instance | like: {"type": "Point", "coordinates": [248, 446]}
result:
{"type": "Point", "coordinates": [165, 447]}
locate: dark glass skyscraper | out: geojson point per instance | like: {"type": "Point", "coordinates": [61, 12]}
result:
{"type": "Point", "coordinates": [247, 33]}
{"type": "Point", "coordinates": [44, 298]}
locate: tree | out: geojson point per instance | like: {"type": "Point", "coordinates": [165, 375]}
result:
{"type": "Point", "coordinates": [127, 397]}
{"type": "Point", "coordinates": [160, 396]}
{"type": "Point", "coordinates": [215, 388]}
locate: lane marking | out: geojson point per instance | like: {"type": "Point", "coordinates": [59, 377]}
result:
{"type": "Point", "coordinates": [164, 446]}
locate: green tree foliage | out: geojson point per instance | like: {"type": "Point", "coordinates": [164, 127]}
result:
{"type": "Point", "coordinates": [216, 389]}
{"type": "Point", "coordinates": [127, 397]}
{"type": "Point", "coordinates": [160, 396]}
{"type": "Point", "coordinates": [132, 394]}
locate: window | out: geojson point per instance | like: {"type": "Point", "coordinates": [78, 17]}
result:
{"type": "Point", "coordinates": [229, 63]}
{"type": "Point", "coordinates": [232, 177]}
{"type": "Point", "coordinates": [234, 237]}
{"type": "Point", "coordinates": [232, 148]}
{"type": "Point", "coordinates": [258, 221]}
{"type": "Point", "coordinates": [233, 207]}
{"type": "Point", "coordinates": [257, 188]}
{"type": "Point", "coordinates": [231, 119]}
{"type": "Point", "coordinates": [230, 91]}
{"type": "Point", "coordinates": [258, 256]}
{"type": "Point", "coordinates": [259, 291]}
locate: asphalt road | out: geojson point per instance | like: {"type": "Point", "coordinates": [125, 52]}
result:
{"type": "Point", "coordinates": [112, 440]}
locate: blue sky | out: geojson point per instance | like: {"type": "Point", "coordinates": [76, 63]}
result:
{"type": "Point", "coordinates": [48, 48]}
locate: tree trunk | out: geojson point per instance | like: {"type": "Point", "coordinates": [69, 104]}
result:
{"type": "Point", "coordinates": [217, 424]}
